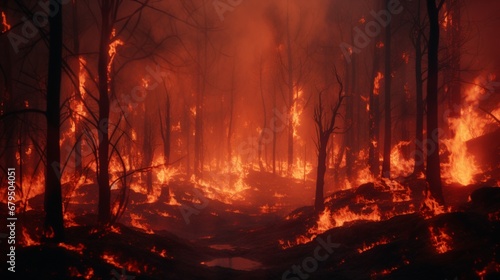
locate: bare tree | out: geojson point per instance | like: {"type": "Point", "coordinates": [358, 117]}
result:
{"type": "Point", "coordinates": [325, 127]}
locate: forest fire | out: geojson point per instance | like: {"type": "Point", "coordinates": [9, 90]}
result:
{"type": "Point", "coordinates": [174, 140]}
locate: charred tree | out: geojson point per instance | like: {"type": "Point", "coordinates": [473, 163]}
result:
{"type": "Point", "coordinates": [420, 48]}
{"type": "Point", "coordinates": [386, 164]}
{"type": "Point", "coordinates": [78, 93]}
{"type": "Point", "coordinates": [325, 127]}
{"type": "Point", "coordinates": [104, 204]}
{"type": "Point", "coordinates": [54, 224]}
{"type": "Point", "coordinates": [374, 117]}
{"type": "Point", "coordinates": [165, 131]}
{"type": "Point", "coordinates": [433, 172]}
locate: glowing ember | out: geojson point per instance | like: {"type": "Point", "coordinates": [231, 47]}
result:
{"type": "Point", "coordinates": [131, 266]}
{"type": "Point", "coordinates": [5, 25]}
{"type": "Point", "coordinates": [373, 245]}
{"type": "Point", "coordinates": [137, 222]}
{"type": "Point", "coordinates": [89, 273]}
{"type": "Point", "coordinates": [162, 253]}
{"type": "Point", "coordinates": [78, 248]}
{"type": "Point", "coordinates": [27, 240]}
{"type": "Point", "coordinates": [441, 241]}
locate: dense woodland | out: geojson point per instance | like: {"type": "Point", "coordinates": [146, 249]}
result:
{"type": "Point", "coordinates": [182, 133]}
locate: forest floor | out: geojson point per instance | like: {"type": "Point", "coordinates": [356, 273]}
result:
{"type": "Point", "coordinates": [386, 230]}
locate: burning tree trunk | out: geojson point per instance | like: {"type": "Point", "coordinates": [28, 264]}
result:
{"type": "Point", "coordinates": [261, 136]}
{"type": "Point", "coordinates": [325, 126]}
{"type": "Point", "coordinates": [78, 94]}
{"type": "Point", "coordinates": [104, 207]}
{"type": "Point", "coordinates": [147, 149]}
{"type": "Point", "coordinates": [374, 118]}
{"type": "Point", "coordinates": [386, 165]}
{"type": "Point", "coordinates": [433, 172]}
{"type": "Point", "coordinates": [53, 201]}
{"type": "Point", "coordinates": [165, 130]}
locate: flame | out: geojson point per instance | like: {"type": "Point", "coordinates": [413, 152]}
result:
{"type": "Point", "coordinates": [78, 248]}
{"type": "Point", "coordinates": [462, 167]}
{"type": "Point", "coordinates": [112, 50]}
{"type": "Point", "coordinates": [137, 222]}
{"type": "Point", "coordinates": [131, 266]}
{"type": "Point", "coordinates": [227, 185]}
{"type": "Point", "coordinates": [296, 111]}
{"type": "Point", "coordinates": [376, 83]}
{"type": "Point", "coordinates": [27, 240]}
{"type": "Point", "coordinates": [400, 167]}
{"type": "Point", "coordinates": [373, 245]}
{"type": "Point", "coordinates": [430, 207]}
{"type": "Point", "coordinates": [440, 240]}
{"type": "Point", "coordinates": [89, 273]}
{"type": "Point", "coordinates": [82, 75]}
{"type": "Point", "coordinates": [6, 26]}
{"type": "Point", "coordinates": [162, 253]}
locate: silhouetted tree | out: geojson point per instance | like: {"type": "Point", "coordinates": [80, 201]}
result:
{"type": "Point", "coordinates": [325, 127]}
{"type": "Point", "coordinates": [433, 172]}
{"type": "Point", "coordinates": [52, 198]}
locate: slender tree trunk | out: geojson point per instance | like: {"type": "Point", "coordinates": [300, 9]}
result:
{"type": "Point", "coordinates": [373, 121]}
{"type": "Point", "coordinates": [419, 133]}
{"type": "Point", "coordinates": [319, 202]}
{"type": "Point", "coordinates": [78, 94]}
{"type": "Point", "coordinates": [433, 171]}
{"type": "Point", "coordinates": [261, 136]}
{"type": "Point", "coordinates": [349, 142]}
{"type": "Point", "coordinates": [291, 100]}
{"type": "Point", "coordinates": [52, 198]}
{"type": "Point", "coordinates": [386, 165]}
{"type": "Point", "coordinates": [104, 207]}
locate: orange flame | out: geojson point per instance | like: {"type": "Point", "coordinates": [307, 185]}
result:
{"type": "Point", "coordinates": [376, 83]}
{"type": "Point", "coordinates": [6, 26]}
{"type": "Point", "coordinates": [462, 167]}
{"type": "Point", "coordinates": [440, 240]}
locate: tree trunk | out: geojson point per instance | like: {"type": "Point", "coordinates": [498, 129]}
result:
{"type": "Point", "coordinates": [319, 202]}
{"type": "Point", "coordinates": [433, 164]}
{"type": "Point", "coordinates": [374, 118]}
{"type": "Point", "coordinates": [386, 165]}
{"type": "Point", "coordinates": [52, 198]}
{"type": "Point", "coordinates": [290, 96]}
{"type": "Point", "coordinates": [78, 94]}
{"type": "Point", "coordinates": [419, 133]}
{"type": "Point", "coordinates": [104, 207]}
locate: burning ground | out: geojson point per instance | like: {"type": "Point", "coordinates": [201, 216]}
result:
{"type": "Point", "coordinates": [384, 230]}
